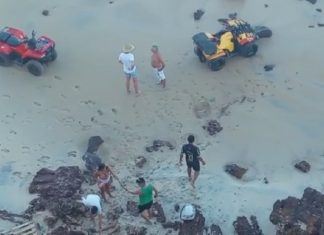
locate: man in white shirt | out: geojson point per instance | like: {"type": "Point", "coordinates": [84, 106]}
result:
{"type": "Point", "coordinates": [126, 58]}
{"type": "Point", "coordinates": [94, 203]}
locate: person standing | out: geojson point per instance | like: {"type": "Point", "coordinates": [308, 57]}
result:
{"type": "Point", "coordinates": [93, 202]}
{"type": "Point", "coordinates": [193, 159]}
{"type": "Point", "coordinates": [158, 65]}
{"type": "Point", "coordinates": [127, 59]}
{"type": "Point", "coordinates": [145, 194]}
{"type": "Point", "coordinates": [104, 177]}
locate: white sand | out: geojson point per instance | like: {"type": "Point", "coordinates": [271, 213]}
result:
{"type": "Point", "coordinates": [43, 119]}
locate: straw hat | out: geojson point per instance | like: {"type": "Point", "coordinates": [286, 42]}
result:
{"type": "Point", "coordinates": [127, 48]}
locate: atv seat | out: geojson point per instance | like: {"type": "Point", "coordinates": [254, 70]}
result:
{"type": "Point", "coordinates": [205, 43]}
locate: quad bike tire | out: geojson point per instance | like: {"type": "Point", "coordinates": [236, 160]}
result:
{"type": "Point", "coordinates": [54, 54]}
{"type": "Point", "coordinates": [35, 67]}
{"type": "Point", "coordinates": [263, 31]}
{"type": "Point", "coordinates": [249, 50]}
{"type": "Point", "coordinates": [216, 64]}
{"type": "Point", "coordinates": [4, 60]}
{"type": "Point", "coordinates": [200, 55]}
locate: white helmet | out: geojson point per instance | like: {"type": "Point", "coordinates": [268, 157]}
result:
{"type": "Point", "coordinates": [188, 212]}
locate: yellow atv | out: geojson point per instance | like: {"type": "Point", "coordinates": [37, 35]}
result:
{"type": "Point", "coordinates": [237, 38]}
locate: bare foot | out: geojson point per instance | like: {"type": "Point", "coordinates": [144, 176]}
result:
{"type": "Point", "coordinates": [192, 184]}
{"type": "Point", "coordinates": [138, 93]}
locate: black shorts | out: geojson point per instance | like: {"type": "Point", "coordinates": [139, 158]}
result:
{"type": "Point", "coordinates": [144, 207]}
{"type": "Point", "coordinates": [194, 165]}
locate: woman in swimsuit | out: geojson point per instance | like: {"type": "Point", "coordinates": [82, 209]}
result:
{"type": "Point", "coordinates": [104, 178]}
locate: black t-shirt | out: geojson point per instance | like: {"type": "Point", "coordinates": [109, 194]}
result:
{"type": "Point", "coordinates": [192, 153]}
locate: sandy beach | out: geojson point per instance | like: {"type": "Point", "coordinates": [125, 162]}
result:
{"type": "Point", "coordinates": [46, 121]}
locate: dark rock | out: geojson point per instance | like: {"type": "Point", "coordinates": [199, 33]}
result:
{"type": "Point", "coordinates": [140, 161]}
{"type": "Point", "coordinates": [198, 14]}
{"type": "Point", "coordinates": [50, 221]}
{"type": "Point", "coordinates": [213, 127]}
{"type": "Point", "coordinates": [45, 12]}
{"type": "Point", "coordinates": [235, 170]}
{"type": "Point", "coordinates": [311, 26]}
{"type": "Point", "coordinates": [133, 230]}
{"type": "Point", "coordinates": [158, 144]}
{"type": "Point", "coordinates": [173, 225]}
{"type": "Point", "coordinates": [318, 9]}
{"type": "Point", "coordinates": [63, 182]}
{"type": "Point", "coordinates": [159, 212]}
{"type": "Point", "coordinates": [303, 166]}
{"type": "Point", "coordinates": [131, 208]}
{"type": "Point", "coordinates": [232, 15]}
{"type": "Point", "coordinates": [320, 24]}
{"type": "Point", "coordinates": [265, 180]}
{"type": "Point", "coordinates": [176, 207]}
{"type": "Point", "coordinates": [303, 216]}
{"type": "Point", "coordinates": [13, 217]}
{"type": "Point", "coordinates": [193, 227]}
{"type": "Point", "coordinates": [65, 231]}
{"type": "Point", "coordinates": [215, 230]}
{"type": "Point", "coordinates": [269, 67]}
{"type": "Point", "coordinates": [266, 5]}
{"type": "Point", "coordinates": [243, 227]}
{"type": "Point", "coordinates": [115, 213]}
{"type": "Point", "coordinates": [91, 158]}
{"type": "Point", "coordinates": [312, 1]}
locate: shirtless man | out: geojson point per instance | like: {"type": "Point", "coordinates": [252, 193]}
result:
{"type": "Point", "coordinates": [104, 180]}
{"type": "Point", "coordinates": [158, 65]}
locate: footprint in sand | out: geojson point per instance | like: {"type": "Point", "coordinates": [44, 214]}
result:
{"type": "Point", "coordinates": [37, 104]}
{"type": "Point", "coordinates": [72, 154]}
{"type": "Point", "coordinates": [13, 132]}
{"type": "Point", "coordinates": [6, 96]}
{"type": "Point", "coordinates": [88, 102]}
{"type": "Point", "coordinates": [5, 150]}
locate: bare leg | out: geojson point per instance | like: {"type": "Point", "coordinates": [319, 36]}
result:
{"type": "Point", "coordinates": [102, 191]}
{"type": "Point", "coordinates": [145, 214]}
{"type": "Point", "coordinates": [196, 174]}
{"type": "Point", "coordinates": [163, 82]}
{"type": "Point", "coordinates": [135, 82]}
{"type": "Point", "coordinates": [108, 190]}
{"type": "Point", "coordinates": [189, 173]}
{"type": "Point", "coordinates": [127, 85]}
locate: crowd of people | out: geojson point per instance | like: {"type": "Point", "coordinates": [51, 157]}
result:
{"type": "Point", "coordinates": [146, 192]}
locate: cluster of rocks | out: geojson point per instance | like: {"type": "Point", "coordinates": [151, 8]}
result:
{"type": "Point", "coordinates": [140, 161]}
{"type": "Point", "coordinates": [244, 227]}
{"type": "Point", "coordinates": [303, 166]}
{"type": "Point", "coordinates": [58, 192]}
{"type": "Point", "coordinates": [213, 127]}
{"type": "Point", "coordinates": [304, 216]}
{"type": "Point", "coordinates": [158, 144]}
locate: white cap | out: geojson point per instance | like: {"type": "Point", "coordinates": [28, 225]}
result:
{"type": "Point", "coordinates": [188, 212]}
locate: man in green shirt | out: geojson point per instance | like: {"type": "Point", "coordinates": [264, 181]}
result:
{"type": "Point", "coordinates": [145, 194]}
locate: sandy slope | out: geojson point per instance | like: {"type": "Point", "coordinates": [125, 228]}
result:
{"type": "Point", "coordinates": [46, 121]}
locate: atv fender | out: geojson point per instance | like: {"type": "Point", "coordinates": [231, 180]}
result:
{"type": "Point", "coordinates": [5, 49]}
{"type": "Point", "coordinates": [263, 31]}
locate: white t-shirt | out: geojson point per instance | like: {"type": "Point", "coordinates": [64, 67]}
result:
{"type": "Point", "coordinates": [128, 60]}
{"type": "Point", "coordinates": [92, 200]}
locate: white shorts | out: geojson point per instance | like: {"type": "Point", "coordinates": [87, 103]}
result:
{"type": "Point", "coordinates": [159, 74]}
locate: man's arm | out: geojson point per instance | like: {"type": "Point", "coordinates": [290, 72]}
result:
{"type": "Point", "coordinates": [181, 156]}
{"type": "Point", "coordinates": [137, 192]}
{"type": "Point", "coordinates": [161, 61]}
{"type": "Point", "coordinates": [100, 223]}
{"type": "Point", "coordinates": [155, 192]}
{"type": "Point", "coordinates": [200, 158]}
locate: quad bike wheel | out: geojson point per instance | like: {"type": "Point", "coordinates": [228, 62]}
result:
{"type": "Point", "coordinates": [35, 67]}
{"type": "Point", "coordinates": [216, 64]}
{"type": "Point", "coordinates": [4, 60]}
{"type": "Point", "coordinates": [249, 50]}
{"type": "Point", "coordinates": [263, 32]}
{"type": "Point", "coordinates": [54, 54]}
{"type": "Point", "coordinates": [200, 55]}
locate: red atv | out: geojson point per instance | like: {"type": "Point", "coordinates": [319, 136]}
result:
{"type": "Point", "coordinates": [34, 53]}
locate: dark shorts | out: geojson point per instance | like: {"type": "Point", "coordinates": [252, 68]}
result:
{"type": "Point", "coordinates": [194, 165]}
{"type": "Point", "coordinates": [144, 207]}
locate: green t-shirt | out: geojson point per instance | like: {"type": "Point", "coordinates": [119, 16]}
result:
{"type": "Point", "coordinates": [146, 195]}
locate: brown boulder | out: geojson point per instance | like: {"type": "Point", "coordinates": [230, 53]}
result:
{"type": "Point", "coordinates": [235, 170]}
{"type": "Point", "coordinates": [244, 227]}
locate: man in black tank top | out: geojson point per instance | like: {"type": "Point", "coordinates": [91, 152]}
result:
{"type": "Point", "coordinates": [193, 159]}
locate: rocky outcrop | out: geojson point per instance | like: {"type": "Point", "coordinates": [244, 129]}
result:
{"type": "Point", "coordinates": [213, 127]}
{"type": "Point", "coordinates": [91, 158]}
{"type": "Point", "coordinates": [133, 230]}
{"type": "Point", "coordinates": [158, 144]}
{"type": "Point", "coordinates": [65, 231]}
{"type": "Point", "coordinates": [242, 226]}
{"type": "Point", "coordinates": [303, 166]}
{"type": "Point", "coordinates": [13, 217]}
{"type": "Point", "coordinates": [304, 216]}
{"type": "Point", "coordinates": [235, 170]}
{"type": "Point", "coordinates": [58, 193]}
